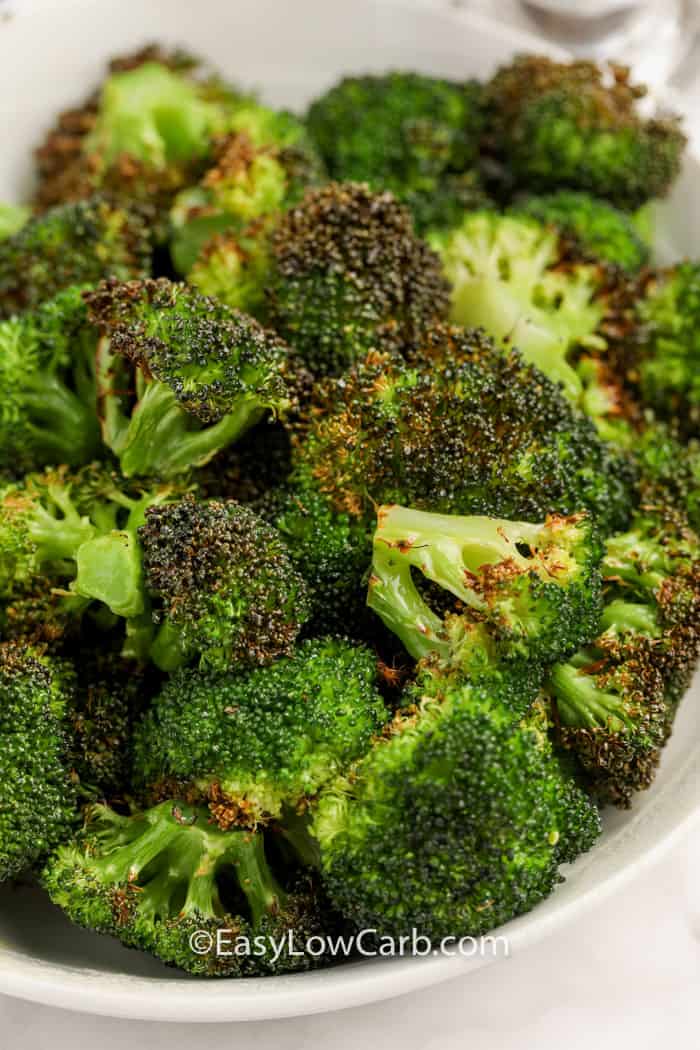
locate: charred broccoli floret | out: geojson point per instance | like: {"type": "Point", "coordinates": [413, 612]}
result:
{"type": "Point", "coordinates": [155, 878]}
{"type": "Point", "coordinates": [577, 125]}
{"type": "Point", "coordinates": [221, 585]}
{"type": "Point", "coordinates": [462, 429]}
{"type": "Point", "coordinates": [414, 135]}
{"type": "Point", "coordinates": [37, 794]}
{"type": "Point", "coordinates": [533, 589]}
{"type": "Point", "coordinates": [253, 745]}
{"type": "Point", "coordinates": [460, 805]}
{"type": "Point", "coordinates": [73, 244]}
{"type": "Point", "coordinates": [48, 413]}
{"type": "Point", "coordinates": [347, 273]}
{"type": "Point", "coordinates": [181, 376]}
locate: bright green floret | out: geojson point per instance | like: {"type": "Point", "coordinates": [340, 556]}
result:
{"type": "Point", "coordinates": [256, 744]}
{"type": "Point", "coordinates": [37, 795]}
{"type": "Point", "coordinates": [533, 589]}
{"type": "Point", "coordinates": [72, 244]}
{"type": "Point", "coordinates": [48, 412]}
{"type": "Point", "coordinates": [182, 375]}
{"type": "Point", "coordinates": [597, 229]}
{"type": "Point", "coordinates": [155, 878]}
{"type": "Point", "coordinates": [455, 822]}
{"type": "Point", "coordinates": [578, 125]}
{"type": "Point", "coordinates": [414, 135]}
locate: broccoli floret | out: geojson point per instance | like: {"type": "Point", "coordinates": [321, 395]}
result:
{"type": "Point", "coordinates": [48, 413]}
{"type": "Point", "coordinates": [456, 821]}
{"type": "Point", "coordinates": [256, 744]}
{"type": "Point", "coordinates": [221, 585]}
{"type": "Point", "coordinates": [669, 470]}
{"type": "Point", "coordinates": [663, 359]}
{"type": "Point", "coordinates": [577, 125]}
{"type": "Point", "coordinates": [37, 794]}
{"type": "Point", "coordinates": [414, 135]}
{"type": "Point", "coordinates": [597, 229]}
{"type": "Point", "coordinates": [12, 218]}
{"type": "Point", "coordinates": [514, 276]}
{"type": "Point", "coordinates": [347, 273]}
{"type": "Point", "coordinates": [534, 589]}
{"type": "Point", "coordinates": [73, 244]}
{"type": "Point", "coordinates": [463, 428]}
{"type": "Point", "coordinates": [155, 878]}
{"type": "Point", "coordinates": [202, 375]}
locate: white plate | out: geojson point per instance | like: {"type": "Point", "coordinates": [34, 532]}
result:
{"type": "Point", "coordinates": [49, 57]}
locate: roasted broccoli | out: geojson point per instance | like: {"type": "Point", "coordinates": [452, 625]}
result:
{"type": "Point", "coordinates": [414, 135]}
{"type": "Point", "coordinates": [555, 125]}
{"type": "Point", "coordinates": [12, 219]}
{"type": "Point", "coordinates": [181, 376]}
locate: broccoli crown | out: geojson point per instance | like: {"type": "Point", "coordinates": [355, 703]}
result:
{"type": "Point", "coordinates": [256, 743]}
{"type": "Point", "coordinates": [223, 585]}
{"type": "Point", "coordinates": [348, 273]}
{"type": "Point", "coordinates": [578, 125]}
{"type": "Point", "coordinates": [535, 590]}
{"type": "Point", "coordinates": [155, 878]}
{"type": "Point", "coordinates": [461, 806]}
{"type": "Point", "coordinates": [514, 276]}
{"type": "Point", "coordinates": [669, 470]}
{"type": "Point", "coordinates": [462, 429]}
{"type": "Point", "coordinates": [12, 218]}
{"type": "Point", "coordinates": [241, 193]}
{"type": "Point", "coordinates": [414, 135]}
{"type": "Point", "coordinates": [330, 548]}
{"type": "Point", "coordinates": [597, 229]}
{"type": "Point", "coordinates": [37, 796]}
{"type": "Point", "coordinates": [204, 374]}
{"type": "Point", "coordinates": [72, 244]}
{"type": "Point", "coordinates": [47, 374]}
{"type": "Point", "coordinates": [665, 363]}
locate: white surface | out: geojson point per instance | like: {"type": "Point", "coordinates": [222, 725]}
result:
{"type": "Point", "coordinates": [624, 968]}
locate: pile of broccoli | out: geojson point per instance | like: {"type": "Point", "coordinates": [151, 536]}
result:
{"type": "Point", "coordinates": [349, 502]}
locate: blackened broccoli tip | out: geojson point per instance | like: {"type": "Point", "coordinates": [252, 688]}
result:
{"type": "Point", "coordinates": [255, 744]}
{"type": "Point", "coordinates": [348, 273]}
{"type": "Point", "coordinates": [579, 125]}
{"type": "Point", "coordinates": [222, 585]}
{"type": "Point", "coordinates": [462, 428]}
{"type": "Point", "coordinates": [47, 375]}
{"type": "Point", "coordinates": [73, 244]}
{"type": "Point", "coordinates": [415, 135]}
{"type": "Point", "coordinates": [462, 806]}
{"type": "Point", "coordinates": [155, 878]}
{"type": "Point", "coordinates": [197, 374]}
{"type": "Point", "coordinates": [533, 590]}
{"type": "Point", "coordinates": [37, 793]}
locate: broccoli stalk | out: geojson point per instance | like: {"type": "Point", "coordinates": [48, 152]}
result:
{"type": "Point", "coordinates": [534, 587]}
{"type": "Point", "coordinates": [154, 878]}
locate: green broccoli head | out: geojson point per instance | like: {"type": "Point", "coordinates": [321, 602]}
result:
{"type": "Point", "coordinates": [414, 135]}
{"type": "Point", "coordinates": [597, 230]}
{"type": "Point", "coordinates": [72, 244]}
{"type": "Point", "coordinates": [221, 583]}
{"type": "Point", "coordinates": [669, 470]}
{"type": "Point", "coordinates": [463, 428]}
{"type": "Point", "coordinates": [155, 878]}
{"type": "Point", "coordinates": [533, 591]}
{"type": "Point", "coordinates": [253, 745]}
{"type": "Point", "coordinates": [460, 806]}
{"type": "Point", "coordinates": [48, 413]}
{"type": "Point", "coordinates": [578, 125]}
{"type": "Point", "coordinates": [37, 794]}
{"type": "Point", "coordinates": [347, 274]}
{"type": "Point", "coordinates": [515, 276]}
{"type": "Point", "coordinates": [201, 374]}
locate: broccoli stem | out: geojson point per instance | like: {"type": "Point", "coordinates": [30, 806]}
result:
{"type": "Point", "coordinates": [63, 427]}
{"type": "Point", "coordinates": [166, 650]}
{"type": "Point", "coordinates": [631, 558]}
{"type": "Point", "coordinates": [57, 538]}
{"type": "Point", "coordinates": [582, 704]}
{"type": "Point", "coordinates": [630, 616]}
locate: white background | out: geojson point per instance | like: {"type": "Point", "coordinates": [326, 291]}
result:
{"type": "Point", "coordinates": [627, 975]}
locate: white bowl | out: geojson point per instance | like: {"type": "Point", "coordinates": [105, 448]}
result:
{"type": "Point", "coordinates": [50, 56]}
